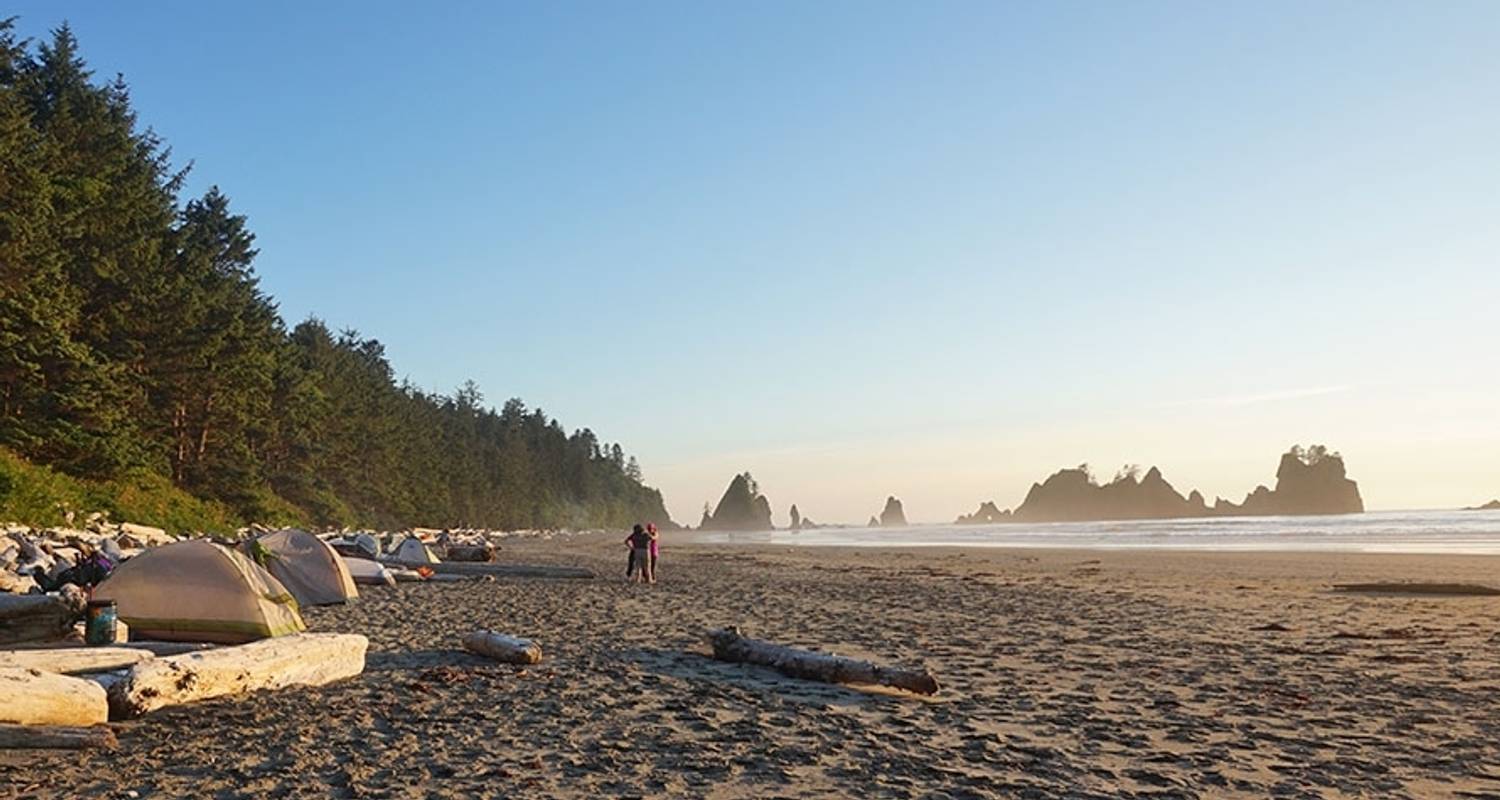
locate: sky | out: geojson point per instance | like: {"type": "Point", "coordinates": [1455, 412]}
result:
{"type": "Point", "coordinates": [931, 250]}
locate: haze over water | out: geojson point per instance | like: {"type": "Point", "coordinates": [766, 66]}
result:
{"type": "Point", "coordinates": [1450, 532]}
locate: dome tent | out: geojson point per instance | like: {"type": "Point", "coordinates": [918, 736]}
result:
{"type": "Point", "coordinates": [414, 551]}
{"type": "Point", "coordinates": [305, 565]}
{"type": "Point", "coordinates": [197, 591]}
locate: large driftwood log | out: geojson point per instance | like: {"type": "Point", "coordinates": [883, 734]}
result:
{"type": "Point", "coordinates": [499, 570]}
{"type": "Point", "coordinates": [74, 660]}
{"type": "Point", "coordinates": [730, 645]}
{"type": "Point", "coordinates": [33, 697]}
{"type": "Point", "coordinates": [1458, 589]}
{"type": "Point", "coordinates": [500, 647]}
{"type": "Point", "coordinates": [472, 553]}
{"type": "Point", "coordinates": [56, 737]}
{"type": "Point", "coordinates": [305, 659]}
{"type": "Point", "coordinates": [32, 617]}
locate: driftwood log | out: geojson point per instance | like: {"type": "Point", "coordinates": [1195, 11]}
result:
{"type": "Point", "coordinates": [730, 645]}
{"type": "Point", "coordinates": [498, 570]}
{"type": "Point", "coordinates": [56, 737]}
{"type": "Point", "coordinates": [34, 617]}
{"type": "Point", "coordinates": [74, 660]}
{"type": "Point", "coordinates": [475, 553]}
{"type": "Point", "coordinates": [305, 659]}
{"type": "Point", "coordinates": [33, 697]}
{"type": "Point", "coordinates": [500, 647]}
{"type": "Point", "coordinates": [1456, 589]}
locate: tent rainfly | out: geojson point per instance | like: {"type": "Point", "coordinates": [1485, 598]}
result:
{"type": "Point", "coordinates": [197, 591]}
{"type": "Point", "coordinates": [305, 565]}
{"type": "Point", "coordinates": [413, 551]}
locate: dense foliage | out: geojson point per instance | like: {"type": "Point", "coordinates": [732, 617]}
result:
{"type": "Point", "coordinates": [135, 340]}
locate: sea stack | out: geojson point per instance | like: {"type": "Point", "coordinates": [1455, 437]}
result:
{"type": "Point", "coordinates": [742, 508]}
{"type": "Point", "coordinates": [893, 516]}
{"type": "Point", "coordinates": [987, 514]}
{"type": "Point", "coordinates": [1310, 481]}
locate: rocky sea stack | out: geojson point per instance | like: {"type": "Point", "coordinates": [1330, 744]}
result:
{"type": "Point", "coordinates": [742, 508]}
{"type": "Point", "coordinates": [893, 515]}
{"type": "Point", "coordinates": [987, 514]}
{"type": "Point", "coordinates": [1310, 481]}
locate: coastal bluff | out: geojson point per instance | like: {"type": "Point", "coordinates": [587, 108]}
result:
{"type": "Point", "coordinates": [1308, 481]}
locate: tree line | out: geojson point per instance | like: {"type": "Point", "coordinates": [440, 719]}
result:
{"type": "Point", "coordinates": [134, 336]}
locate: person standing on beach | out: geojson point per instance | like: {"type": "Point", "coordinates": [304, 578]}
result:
{"type": "Point", "coordinates": [654, 548]}
{"type": "Point", "coordinates": [640, 554]}
{"type": "Point", "coordinates": [630, 546]}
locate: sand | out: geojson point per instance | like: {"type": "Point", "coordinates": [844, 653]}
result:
{"type": "Point", "coordinates": [1065, 674]}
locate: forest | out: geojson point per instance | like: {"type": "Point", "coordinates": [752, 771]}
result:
{"type": "Point", "coordinates": [138, 351]}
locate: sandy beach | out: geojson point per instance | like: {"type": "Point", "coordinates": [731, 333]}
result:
{"type": "Point", "coordinates": [1064, 674]}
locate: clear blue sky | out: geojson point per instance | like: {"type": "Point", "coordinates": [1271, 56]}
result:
{"type": "Point", "coordinates": [867, 248]}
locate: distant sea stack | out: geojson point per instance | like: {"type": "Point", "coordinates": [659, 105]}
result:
{"type": "Point", "coordinates": [893, 515]}
{"type": "Point", "coordinates": [742, 508]}
{"type": "Point", "coordinates": [1493, 505]}
{"type": "Point", "coordinates": [1310, 481]}
{"type": "Point", "coordinates": [987, 514]}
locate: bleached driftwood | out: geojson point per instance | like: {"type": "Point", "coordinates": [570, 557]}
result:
{"type": "Point", "coordinates": [74, 660]}
{"type": "Point", "coordinates": [64, 737]}
{"type": "Point", "coordinates": [499, 570]}
{"type": "Point", "coordinates": [304, 659]}
{"type": "Point", "coordinates": [37, 616]}
{"type": "Point", "coordinates": [33, 697]}
{"type": "Point", "coordinates": [730, 645]}
{"type": "Point", "coordinates": [500, 647]}
{"type": "Point", "coordinates": [14, 583]}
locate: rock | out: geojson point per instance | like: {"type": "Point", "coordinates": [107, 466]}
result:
{"type": "Point", "coordinates": [874, 523]}
{"type": "Point", "coordinates": [892, 516]}
{"type": "Point", "coordinates": [796, 518]}
{"type": "Point", "coordinates": [1310, 481]}
{"type": "Point", "coordinates": [742, 508]}
{"type": "Point", "coordinates": [987, 514]}
{"type": "Point", "coordinates": [1493, 505]}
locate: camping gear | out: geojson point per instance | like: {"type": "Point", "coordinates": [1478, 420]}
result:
{"type": "Point", "coordinates": [99, 622]}
{"type": "Point", "coordinates": [311, 570]}
{"type": "Point", "coordinates": [197, 591]}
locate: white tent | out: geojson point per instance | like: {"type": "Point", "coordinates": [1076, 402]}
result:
{"type": "Point", "coordinates": [369, 572]}
{"type": "Point", "coordinates": [413, 551]}
{"type": "Point", "coordinates": [197, 591]}
{"type": "Point", "coordinates": [305, 565]}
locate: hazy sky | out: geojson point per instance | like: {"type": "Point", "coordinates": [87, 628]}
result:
{"type": "Point", "coordinates": [936, 250]}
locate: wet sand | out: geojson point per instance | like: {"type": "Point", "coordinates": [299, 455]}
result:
{"type": "Point", "coordinates": [1064, 673]}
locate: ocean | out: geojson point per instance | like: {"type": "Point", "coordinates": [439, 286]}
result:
{"type": "Point", "coordinates": [1457, 532]}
